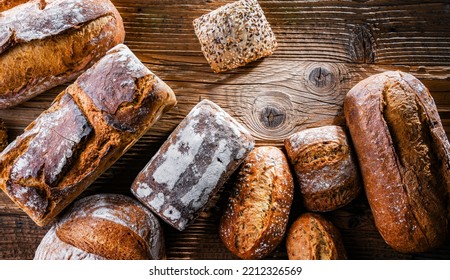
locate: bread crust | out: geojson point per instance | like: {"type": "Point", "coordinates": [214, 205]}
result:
{"type": "Point", "coordinates": [8, 4]}
{"type": "Point", "coordinates": [404, 159]}
{"type": "Point", "coordinates": [82, 134]}
{"type": "Point", "coordinates": [44, 46]}
{"type": "Point", "coordinates": [254, 220]}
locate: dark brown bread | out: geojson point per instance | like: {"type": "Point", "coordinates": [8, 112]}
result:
{"type": "Point", "coordinates": [404, 157]}
{"type": "Point", "coordinates": [312, 237]}
{"type": "Point", "coordinates": [87, 128]}
{"type": "Point", "coordinates": [45, 44]}
{"type": "Point", "coordinates": [8, 4]}
{"type": "Point", "coordinates": [104, 226]}
{"type": "Point", "coordinates": [325, 167]}
{"type": "Point", "coordinates": [254, 221]}
{"type": "Point", "coordinates": [192, 164]}
{"type": "Point", "coordinates": [3, 136]}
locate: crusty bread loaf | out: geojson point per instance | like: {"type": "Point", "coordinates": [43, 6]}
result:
{"type": "Point", "coordinates": [192, 164]}
{"type": "Point", "coordinates": [312, 237]}
{"type": "Point", "coordinates": [87, 128]}
{"type": "Point", "coordinates": [234, 35]}
{"type": "Point", "coordinates": [404, 156]}
{"type": "Point", "coordinates": [46, 43]}
{"type": "Point", "coordinates": [104, 226]}
{"type": "Point", "coordinates": [8, 4]}
{"type": "Point", "coordinates": [325, 167]}
{"type": "Point", "coordinates": [254, 221]}
{"type": "Point", "coordinates": [3, 135]}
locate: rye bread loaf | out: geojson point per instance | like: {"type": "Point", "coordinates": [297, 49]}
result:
{"type": "Point", "coordinates": [254, 221]}
{"type": "Point", "coordinates": [192, 164]}
{"type": "Point", "coordinates": [325, 166]}
{"type": "Point", "coordinates": [404, 156]}
{"type": "Point", "coordinates": [104, 226]}
{"type": "Point", "coordinates": [47, 43]}
{"type": "Point", "coordinates": [87, 128]}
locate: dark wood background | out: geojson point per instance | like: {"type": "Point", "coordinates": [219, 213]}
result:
{"type": "Point", "coordinates": [325, 47]}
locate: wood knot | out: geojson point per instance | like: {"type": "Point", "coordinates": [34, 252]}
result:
{"type": "Point", "coordinates": [362, 44]}
{"type": "Point", "coordinates": [272, 116]}
{"type": "Point", "coordinates": [321, 77]}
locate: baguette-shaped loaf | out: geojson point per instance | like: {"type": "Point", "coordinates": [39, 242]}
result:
{"type": "Point", "coordinates": [87, 128]}
{"type": "Point", "coordinates": [404, 156]}
{"type": "Point", "coordinates": [192, 165]}
{"type": "Point", "coordinates": [104, 226]}
{"type": "Point", "coordinates": [254, 221]}
{"type": "Point", "coordinates": [46, 43]}
{"type": "Point", "coordinates": [8, 4]}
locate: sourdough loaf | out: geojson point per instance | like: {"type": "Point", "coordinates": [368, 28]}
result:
{"type": "Point", "coordinates": [104, 226]}
{"type": "Point", "coordinates": [192, 164]}
{"type": "Point", "coordinates": [87, 128]}
{"type": "Point", "coordinates": [46, 43]}
{"type": "Point", "coordinates": [325, 166]}
{"type": "Point", "coordinates": [254, 221]}
{"type": "Point", "coordinates": [404, 156]}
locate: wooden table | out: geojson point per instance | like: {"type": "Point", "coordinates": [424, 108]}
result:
{"type": "Point", "coordinates": [325, 47]}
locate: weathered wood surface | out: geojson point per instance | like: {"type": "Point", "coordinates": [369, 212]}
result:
{"type": "Point", "coordinates": [325, 47]}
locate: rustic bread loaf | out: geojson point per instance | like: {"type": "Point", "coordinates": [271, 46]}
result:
{"type": "Point", "coordinates": [404, 156]}
{"type": "Point", "coordinates": [254, 221]}
{"type": "Point", "coordinates": [104, 226]}
{"type": "Point", "coordinates": [87, 128]}
{"type": "Point", "coordinates": [8, 4]}
{"type": "Point", "coordinates": [325, 167]}
{"type": "Point", "coordinates": [3, 135]}
{"type": "Point", "coordinates": [46, 43]}
{"type": "Point", "coordinates": [234, 35]}
{"type": "Point", "coordinates": [312, 237]}
{"type": "Point", "coordinates": [192, 164]}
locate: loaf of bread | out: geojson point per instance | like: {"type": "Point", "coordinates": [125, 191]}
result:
{"type": "Point", "coordinates": [87, 128]}
{"type": "Point", "coordinates": [8, 4]}
{"type": "Point", "coordinates": [47, 43]}
{"type": "Point", "coordinates": [312, 237]}
{"type": "Point", "coordinates": [104, 226]}
{"type": "Point", "coordinates": [192, 164]}
{"type": "Point", "coordinates": [3, 135]}
{"type": "Point", "coordinates": [325, 167]}
{"type": "Point", "coordinates": [254, 221]}
{"type": "Point", "coordinates": [234, 35]}
{"type": "Point", "coordinates": [404, 156]}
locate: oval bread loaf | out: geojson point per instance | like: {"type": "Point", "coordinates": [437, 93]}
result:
{"type": "Point", "coordinates": [104, 226]}
{"type": "Point", "coordinates": [404, 156]}
{"type": "Point", "coordinates": [47, 43]}
{"type": "Point", "coordinates": [254, 221]}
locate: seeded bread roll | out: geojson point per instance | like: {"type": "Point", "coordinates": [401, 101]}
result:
{"type": "Point", "coordinates": [87, 128]}
{"type": "Point", "coordinates": [47, 43]}
{"type": "Point", "coordinates": [404, 156]}
{"type": "Point", "coordinates": [3, 136]}
{"type": "Point", "coordinates": [312, 237]}
{"type": "Point", "coordinates": [325, 167]}
{"type": "Point", "coordinates": [254, 221]}
{"type": "Point", "coordinates": [8, 4]}
{"type": "Point", "coordinates": [192, 164]}
{"type": "Point", "coordinates": [104, 226]}
{"type": "Point", "coordinates": [234, 35]}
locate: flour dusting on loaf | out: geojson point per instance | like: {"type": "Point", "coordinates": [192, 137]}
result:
{"type": "Point", "coordinates": [192, 165]}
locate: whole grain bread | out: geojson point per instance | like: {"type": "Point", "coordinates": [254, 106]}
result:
{"type": "Point", "coordinates": [87, 128]}
{"type": "Point", "coordinates": [47, 43]}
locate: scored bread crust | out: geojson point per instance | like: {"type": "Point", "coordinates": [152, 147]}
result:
{"type": "Point", "coordinates": [254, 220]}
{"type": "Point", "coordinates": [42, 46]}
{"type": "Point", "coordinates": [104, 226]}
{"type": "Point", "coordinates": [404, 156]}
{"type": "Point", "coordinates": [87, 128]}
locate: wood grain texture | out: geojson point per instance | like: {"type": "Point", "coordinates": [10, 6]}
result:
{"type": "Point", "coordinates": [325, 47]}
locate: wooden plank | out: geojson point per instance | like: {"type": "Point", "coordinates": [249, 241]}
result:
{"type": "Point", "coordinates": [325, 48]}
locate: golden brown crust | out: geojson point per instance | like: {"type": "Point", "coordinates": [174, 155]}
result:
{"type": "Point", "coordinates": [42, 47]}
{"type": "Point", "coordinates": [254, 221]}
{"type": "Point", "coordinates": [68, 146]}
{"type": "Point", "coordinates": [312, 237]}
{"type": "Point", "coordinates": [404, 158]}
{"type": "Point", "coordinates": [8, 4]}
{"type": "Point", "coordinates": [325, 167]}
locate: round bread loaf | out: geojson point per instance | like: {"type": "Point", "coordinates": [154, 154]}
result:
{"type": "Point", "coordinates": [104, 226]}
{"type": "Point", "coordinates": [254, 221]}
{"type": "Point", "coordinates": [325, 167]}
{"type": "Point", "coordinates": [312, 237]}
